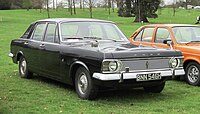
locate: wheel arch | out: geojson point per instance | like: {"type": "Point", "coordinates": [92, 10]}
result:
{"type": "Point", "coordinates": [187, 62]}
{"type": "Point", "coordinates": [19, 54]}
{"type": "Point", "coordinates": [73, 68]}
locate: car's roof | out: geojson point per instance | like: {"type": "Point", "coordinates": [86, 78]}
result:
{"type": "Point", "coordinates": [73, 20]}
{"type": "Point", "coordinates": [170, 25]}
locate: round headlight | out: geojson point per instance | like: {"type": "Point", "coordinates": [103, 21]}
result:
{"type": "Point", "coordinates": [113, 66]}
{"type": "Point", "coordinates": [173, 62]}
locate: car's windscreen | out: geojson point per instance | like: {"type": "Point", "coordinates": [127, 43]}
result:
{"type": "Point", "coordinates": [91, 30]}
{"type": "Point", "coordinates": [186, 34]}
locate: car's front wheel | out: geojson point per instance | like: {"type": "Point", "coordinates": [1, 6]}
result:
{"type": "Point", "coordinates": [23, 68]}
{"type": "Point", "coordinates": [155, 89]}
{"type": "Point", "coordinates": [85, 88]}
{"type": "Point", "coordinates": [192, 75]}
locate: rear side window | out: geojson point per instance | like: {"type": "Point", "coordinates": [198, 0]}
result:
{"type": "Point", "coordinates": [139, 36]}
{"type": "Point", "coordinates": [50, 33]}
{"type": "Point", "coordinates": [39, 32]}
{"type": "Point", "coordinates": [28, 32]}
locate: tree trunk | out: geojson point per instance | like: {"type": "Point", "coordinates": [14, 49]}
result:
{"type": "Point", "coordinates": [128, 11]}
{"type": "Point", "coordinates": [53, 4]}
{"type": "Point", "coordinates": [141, 18]}
{"type": "Point", "coordinates": [74, 7]}
{"type": "Point", "coordinates": [69, 5]}
{"type": "Point", "coordinates": [56, 5]}
{"type": "Point", "coordinates": [186, 3]}
{"type": "Point", "coordinates": [140, 15]}
{"type": "Point", "coordinates": [109, 6]}
{"type": "Point", "coordinates": [90, 7]}
{"type": "Point", "coordinates": [174, 8]}
{"type": "Point", "coordinates": [120, 8]}
{"type": "Point", "coordinates": [80, 4]}
{"type": "Point", "coordinates": [48, 9]}
{"type": "Point", "coordinates": [113, 7]}
{"type": "Point", "coordinates": [71, 12]}
{"type": "Point", "coordinates": [118, 3]}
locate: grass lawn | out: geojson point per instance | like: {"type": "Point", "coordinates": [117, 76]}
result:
{"type": "Point", "coordinates": [41, 95]}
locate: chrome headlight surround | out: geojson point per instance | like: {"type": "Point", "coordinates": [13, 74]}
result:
{"type": "Point", "coordinates": [174, 62]}
{"type": "Point", "coordinates": [111, 66]}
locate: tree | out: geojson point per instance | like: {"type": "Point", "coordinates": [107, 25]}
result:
{"type": "Point", "coordinates": [174, 7]}
{"type": "Point", "coordinates": [81, 4]}
{"type": "Point", "coordinates": [27, 4]}
{"type": "Point", "coordinates": [194, 2]}
{"type": "Point", "coordinates": [47, 5]}
{"type": "Point", "coordinates": [5, 4]}
{"type": "Point", "coordinates": [38, 4]}
{"type": "Point", "coordinates": [91, 4]}
{"type": "Point", "coordinates": [74, 7]}
{"type": "Point", "coordinates": [109, 6]}
{"type": "Point", "coordinates": [141, 9]}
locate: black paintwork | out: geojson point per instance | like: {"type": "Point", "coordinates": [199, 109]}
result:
{"type": "Point", "coordinates": [60, 60]}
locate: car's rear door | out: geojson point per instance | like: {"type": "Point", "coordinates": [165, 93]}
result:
{"type": "Point", "coordinates": [33, 46]}
{"type": "Point", "coordinates": [50, 52]}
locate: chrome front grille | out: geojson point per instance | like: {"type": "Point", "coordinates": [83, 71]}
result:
{"type": "Point", "coordinates": [145, 64]}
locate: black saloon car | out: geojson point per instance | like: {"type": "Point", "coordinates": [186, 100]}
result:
{"type": "Point", "coordinates": [89, 54]}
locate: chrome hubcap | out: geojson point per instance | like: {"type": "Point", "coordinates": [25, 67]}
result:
{"type": "Point", "coordinates": [82, 83]}
{"type": "Point", "coordinates": [23, 67]}
{"type": "Point", "coordinates": [193, 74]}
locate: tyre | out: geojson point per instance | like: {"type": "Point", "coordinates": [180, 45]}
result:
{"type": "Point", "coordinates": [192, 75]}
{"type": "Point", "coordinates": [155, 89]}
{"type": "Point", "coordinates": [85, 88]}
{"type": "Point", "coordinates": [23, 68]}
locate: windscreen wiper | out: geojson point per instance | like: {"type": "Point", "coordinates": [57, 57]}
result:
{"type": "Point", "coordinates": [92, 37]}
{"type": "Point", "coordinates": [79, 38]}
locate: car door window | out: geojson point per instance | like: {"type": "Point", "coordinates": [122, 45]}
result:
{"type": "Point", "coordinates": [50, 33]}
{"type": "Point", "coordinates": [139, 36]}
{"type": "Point", "coordinates": [161, 35]}
{"type": "Point", "coordinates": [39, 32]}
{"type": "Point", "coordinates": [57, 38]}
{"type": "Point", "coordinates": [27, 34]}
{"type": "Point", "coordinates": [147, 34]}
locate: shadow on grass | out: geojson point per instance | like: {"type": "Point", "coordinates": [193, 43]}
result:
{"type": "Point", "coordinates": [109, 94]}
{"type": "Point", "coordinates": [52, 82]}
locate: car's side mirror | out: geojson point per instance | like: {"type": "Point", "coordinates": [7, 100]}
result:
{"type": "Point", "coordinates": [168, 42]}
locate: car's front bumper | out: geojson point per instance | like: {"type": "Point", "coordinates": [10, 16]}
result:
{"type": "Point", "coordinates": [11, 55]}
{"type": "Point", "coordinates": [133, 75]}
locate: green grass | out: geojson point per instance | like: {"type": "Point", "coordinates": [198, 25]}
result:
{"type": "Point", "coordinates": [41, 95]}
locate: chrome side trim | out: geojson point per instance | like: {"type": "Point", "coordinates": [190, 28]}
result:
{"type": "Point", "coordinates": [11, 55]}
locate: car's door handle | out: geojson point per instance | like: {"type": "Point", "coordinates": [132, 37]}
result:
{"type": "Point", "coordinates": [26, 43]}
{"type": "Point", "coordinates": [42, 45]}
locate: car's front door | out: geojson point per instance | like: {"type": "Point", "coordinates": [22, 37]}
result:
{"type": "Point", "coordinates": [50, 52]}
{"type": "Point", "coordinates": [162, 37]}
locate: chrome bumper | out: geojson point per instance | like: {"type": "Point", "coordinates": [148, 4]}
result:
{"type": "Point", "coordinates": [11, 55]}
{"type": "Point", "coordinates": [132, 75]}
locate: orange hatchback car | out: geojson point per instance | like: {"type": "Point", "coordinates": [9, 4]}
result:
{"type": "Point", "coordinates": [185, 38]}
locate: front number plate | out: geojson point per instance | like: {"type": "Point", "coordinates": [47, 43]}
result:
{"type": "Point", "coordinates": [148, 77]}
